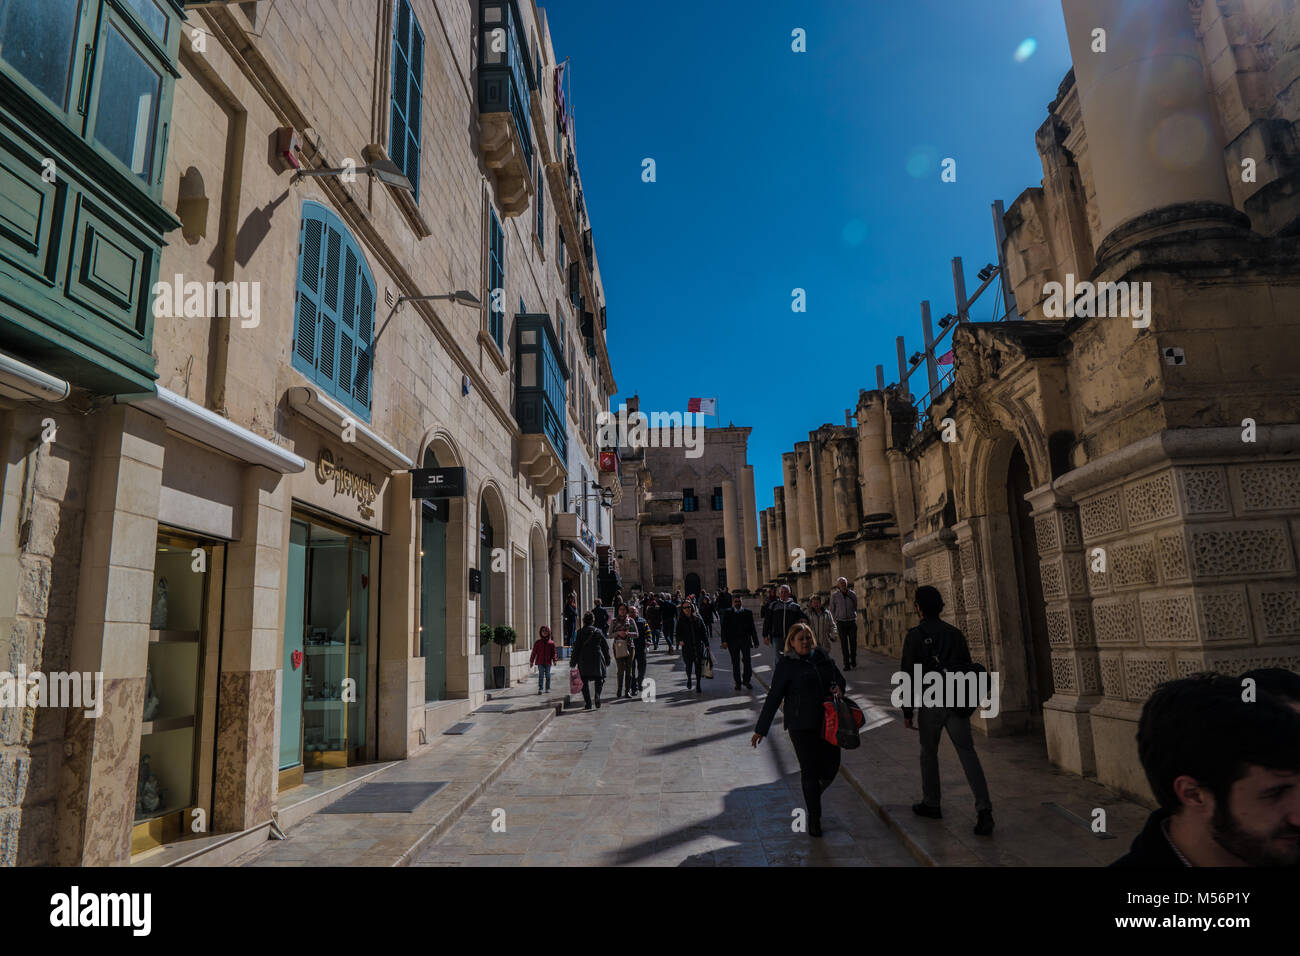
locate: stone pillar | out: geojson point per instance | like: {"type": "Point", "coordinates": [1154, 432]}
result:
{"type": "Point", "coordinates": [731, 534]}
{"type": "Point", "coordinates": [252, 656]}
{"type": "Point", "coordinates": [769, 545]}
{"type": "Point", "coordinates": [807, 498]}
{"type": "Point", "coordinates": [873, 467]}
{"type": "Point", "coordinates": [781, 544]}
{"type": "Point", "coordinates": [111, 636]}
{"type": "Point", "coordinates": [647, 558]}
{"type": "Point", "coordinates": [679, 574]}
{"type": "Point", "coordinates": [1076, 667]}
{"type": "Point", "coordinates": [1166, 151]}
{"type": "Point", "coordinates": [793, 525]}
{"type": "Point", "coordinates": [824, 466]}
{"type": "Point", "coordinates": [848, 517]}
{"type": "Point", "coordinates": [749, 525]}
{"type": "Point", "coordinates": [401, 705]}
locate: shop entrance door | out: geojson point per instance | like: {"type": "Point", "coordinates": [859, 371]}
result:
{"type": "Point", "coordinates": [291, 679]}
{"type": "Point", "coordinates": [433, 599]}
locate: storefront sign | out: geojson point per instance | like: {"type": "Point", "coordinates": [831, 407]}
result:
{"type": "Point", "coordinates": [347, 482]}
{"type": "Point", "coordinates": [437, 482]}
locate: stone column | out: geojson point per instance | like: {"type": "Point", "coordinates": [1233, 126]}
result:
{"type": "Point", "coordinates": [848, 518]}
{"type": "Point", "coordinates": [111, 636]}
{"type": "Point", "coordinates": [252, 655]}
{"type": "Point", "coordinates": [807, 498]}
{"type": "Point", "coordinates": [873, 467]}
{"type": "Point", "coordinates": [769, 545]}
{"type": "Point", "coordinates": [1166, 150]}
{"type": "Point", "coordinates": [793, 515]}
{"type": "Point", "coordinates": [731, 535]}
{"type": "Point", "coordinates": [679, 574]}
{"type": "Point", "coordinates": [824, 469]}
{"type": "Point", "coordinates": [750, 528]}
{"type": "Point", "coordinates": [399, 663]}
{"type": "Point", "coordinates": [647, 558]}
{"type": "Point", "coordinates": [782, 541]}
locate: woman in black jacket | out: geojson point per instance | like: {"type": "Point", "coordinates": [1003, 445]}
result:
{"type": "Point", "coordinates": [694, 644]}
{"type": "Point", "coordinates": [590, 657]}
{"type": "Point", "coordinates": [805, 676]}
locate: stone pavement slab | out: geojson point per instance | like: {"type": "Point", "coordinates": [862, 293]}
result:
{"type": "Point", "coordinates": [673, 782]}
{"type": "Point", "coordinates": [886, 770]}
{"type": "Point", "coordinates": [468, 763]}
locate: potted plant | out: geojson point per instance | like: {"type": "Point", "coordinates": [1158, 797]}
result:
{"type": "Point", "coordinates": [504, 637]}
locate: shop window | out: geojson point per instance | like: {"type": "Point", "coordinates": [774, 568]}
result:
{"type": "Point", "coordinates": [334, 309]}
{"type": "Point", "coordinates": [177, 737]}
{"type": "Point", "coordinates": [105, 68]}
{"type": "Point", "coordinates": [408, 84]}
{"type": "Point", "coordinates": [691, 550]}
{"type": "Point", "coordinates": [496, 280]}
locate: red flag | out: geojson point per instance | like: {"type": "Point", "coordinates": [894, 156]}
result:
{"type": "Point", "coordinates": [946, 358]}
{"type": "Point", "coordinates": [608, 461]}
{"type": "Point", "coordinates": [703, 406]}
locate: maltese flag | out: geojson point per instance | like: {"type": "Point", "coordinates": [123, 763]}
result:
{"type": "Point", "coordinates": [704, 406]}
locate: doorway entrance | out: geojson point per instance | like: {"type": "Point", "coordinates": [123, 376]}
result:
{"type": "Point", "coordinates": [434, 515]}
{"type": "Point", "coordinates": [1033, 609]}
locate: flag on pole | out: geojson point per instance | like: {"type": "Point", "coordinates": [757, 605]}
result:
{"type": "Point", "coordinates": [704, 406]}
{"type": "Point", "coordinates": [945, 358]}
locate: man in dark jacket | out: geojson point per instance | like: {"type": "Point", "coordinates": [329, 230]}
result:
{"type": "Point", "coordinates": [782, 614]}
{"type": "Point", "coordinates": [590, 657]}
{"type": "Point", "coordinates": [724, 602]}
{"type": "Point", "coordinates": [642, 643]}
{"type": "Point", "coordinates": [570, 619]}
{"type": "Point", "coordinates": [654, 618]}
{"type": "Point", "coordinates": [932, 640]}
{"type": "Point", "coordinates": [1226, 772]}
{"type": "Point", "coordinates": [739, 636]}
{"type": "Point", "coordinates": [670, 621]}
{"type": "Point", "coordinates": [804, 677]}
{"type": "Point", "coordinates": [601, 616]}
{"type": "Point", "coordinates": [694, 644]}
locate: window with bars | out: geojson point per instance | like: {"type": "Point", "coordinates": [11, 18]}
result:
{"type": "Point", "coordinates": [408, 86]}
{"type": "Point", "coordinates": [689, 501]}
{"type": "Point", "coordinates": [334, 309]}
{"type": "Point", "coordinates": [496, 280]}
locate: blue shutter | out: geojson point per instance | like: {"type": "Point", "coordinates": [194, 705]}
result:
{"type": "Point", "coordinates": [365, 327]}
{"type": "Point", "coordinates": [407, 86]}
{"type": "Point", "coordinates": [347, 324]}
{"type": "Point", "coordinates": [329, 310]}
{"type": "Point", "coordinates": [306, 314]}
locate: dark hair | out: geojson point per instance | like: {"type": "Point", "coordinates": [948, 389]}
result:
{"type": "Point", "coordinates": [929, 600]}
{"type": "Point", "coordinates": [1276, 681]}
{"type": "Point", "coordinates": [1200, 727]}
{"type": "Point", "coordinates": [620, 608]}
{"type": "Point", "coordinates": [588, 619]}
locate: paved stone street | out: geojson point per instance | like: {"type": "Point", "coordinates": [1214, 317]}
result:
{"type": "Point", "coordinates": [669, 783]}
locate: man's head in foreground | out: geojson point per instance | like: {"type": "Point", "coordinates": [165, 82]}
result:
{"type": "Point", "coordinates": [1227, 769]}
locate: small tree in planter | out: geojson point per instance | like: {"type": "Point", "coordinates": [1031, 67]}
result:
{"type": "Point", "coordinates": [504, 637]}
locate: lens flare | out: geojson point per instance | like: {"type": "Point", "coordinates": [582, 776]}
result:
{"type": "Point", "coordinates": [922, 161]}
{"type": "Point", "coordinates": [1026, 49]}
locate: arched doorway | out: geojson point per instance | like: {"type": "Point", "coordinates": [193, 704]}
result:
{"type": "Point", "coordinates": [492, 564]}
{"type": "Point", "coordinates": [692, 583]}
{"type": "Point", "coordinates": [1033, 609]}
{"type": "Point", "coordinates": [540, 605]}
{"type": "Point", "coordinates": [434, 515]}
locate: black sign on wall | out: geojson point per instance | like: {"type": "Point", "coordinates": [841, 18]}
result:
{"type": "Point", "coordinates": [437, 482]}
{"type": "Point", "coordinates": [475, 581]}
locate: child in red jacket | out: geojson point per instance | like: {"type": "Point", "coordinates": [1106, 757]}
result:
{"type": "Point", "coordinates": [544, 655]}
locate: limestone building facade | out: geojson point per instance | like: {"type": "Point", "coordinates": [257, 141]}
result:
{"type": "Point", "coordinates": [223, 520]}
{"type": "Point", "coordinates": [1120, 503]}
{"type": "Point", "coordinates": [684, 523]}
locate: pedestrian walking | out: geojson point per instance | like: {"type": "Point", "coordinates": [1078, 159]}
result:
{"type": "Point", "coordinates": [804, 678]}
{"type": "Point", "coordinates": [937, 645]}
{"type": "Point", "coordinates": [654, 618]}
{"type": "Point", "coordinates": [570, 619]}
{"type": "Point", "coordinates": [782, 614]}
{"type": "Point", "coordinates": [601, 616]}
{"type": "Point", "coordinates": [739, 636]}
{"type": "Point", "coordinates": [670, 622]}
{"type": "Point", "coordinates": [822, 624]}
{"type": "Point", "coordinates": [769, 599]}
{"type": "Point", "coordinates": [844, 609]}
{"type": "Point", "coordinates": [544, 655]}
{"type": "Point", "coordinates": [642, 643]}
{"type": "Point", "coordinates": [706, 614]}
{"type": "Point", "coordinates": [694, 645]}
{"type": "Point", "coordinates": [591, 658]}
{"type": "Point", "coordinates": [624, 652]}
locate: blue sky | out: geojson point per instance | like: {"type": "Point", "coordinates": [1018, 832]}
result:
{"type": "Point", "coordinates": [779, 170]}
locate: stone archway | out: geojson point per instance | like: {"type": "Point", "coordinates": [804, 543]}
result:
{"type": "Point", "coordinates": [492, 559]}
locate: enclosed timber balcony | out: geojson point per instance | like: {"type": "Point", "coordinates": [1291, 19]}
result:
{"type": "Point", "coordinates": [541, 375]}
{"type": "Point", "coordinates": [505, 123]}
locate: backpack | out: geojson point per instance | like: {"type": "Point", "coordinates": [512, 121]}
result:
{"type": "Point", "coordinates": [973, 668]}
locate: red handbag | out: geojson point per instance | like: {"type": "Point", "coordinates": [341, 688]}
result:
{"type": "Point", "coordinates": [842, 719]}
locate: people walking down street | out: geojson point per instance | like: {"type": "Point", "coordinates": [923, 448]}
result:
{"type": "Point", "coordinates": [706, 614]}
{"type": "Point", "coordinates": [601, 617]}
{"type": "Point", "coordinates": [739, 636]}
{"type": "Point", "coordinates": [670, 622]}
{"type": "Point", "coordinates": [937, 645]}
{"type": "Point", "coordinates": [1223, 770]}
{"type": "Point", "coordinates": [804, 678]}
{"type": "Point", "coordinates": [642, 643]}
{"type": "Point", "coordinates": [570, 619]}
{"type": "Point", "coordinates": [769, 598]}
{"type": "Point", "coordinates": [782, 614]}
{"type": "Point", "coordinates": [823, 625]}
{"type": "Point", "coordinates": [844, 608]}
{"type": "Point", "coordinates": [591, 658]}
{"type": "Point", "coordinates": [723, 603]}
{"type": "Point", "coordinates": [654, 618]}
{"type": "Point", "coordinates": [622, 631]}
{"type": "Point", "coordinates": [694, 644]}
{"type": "Point", "coordinates": [544, 655]}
